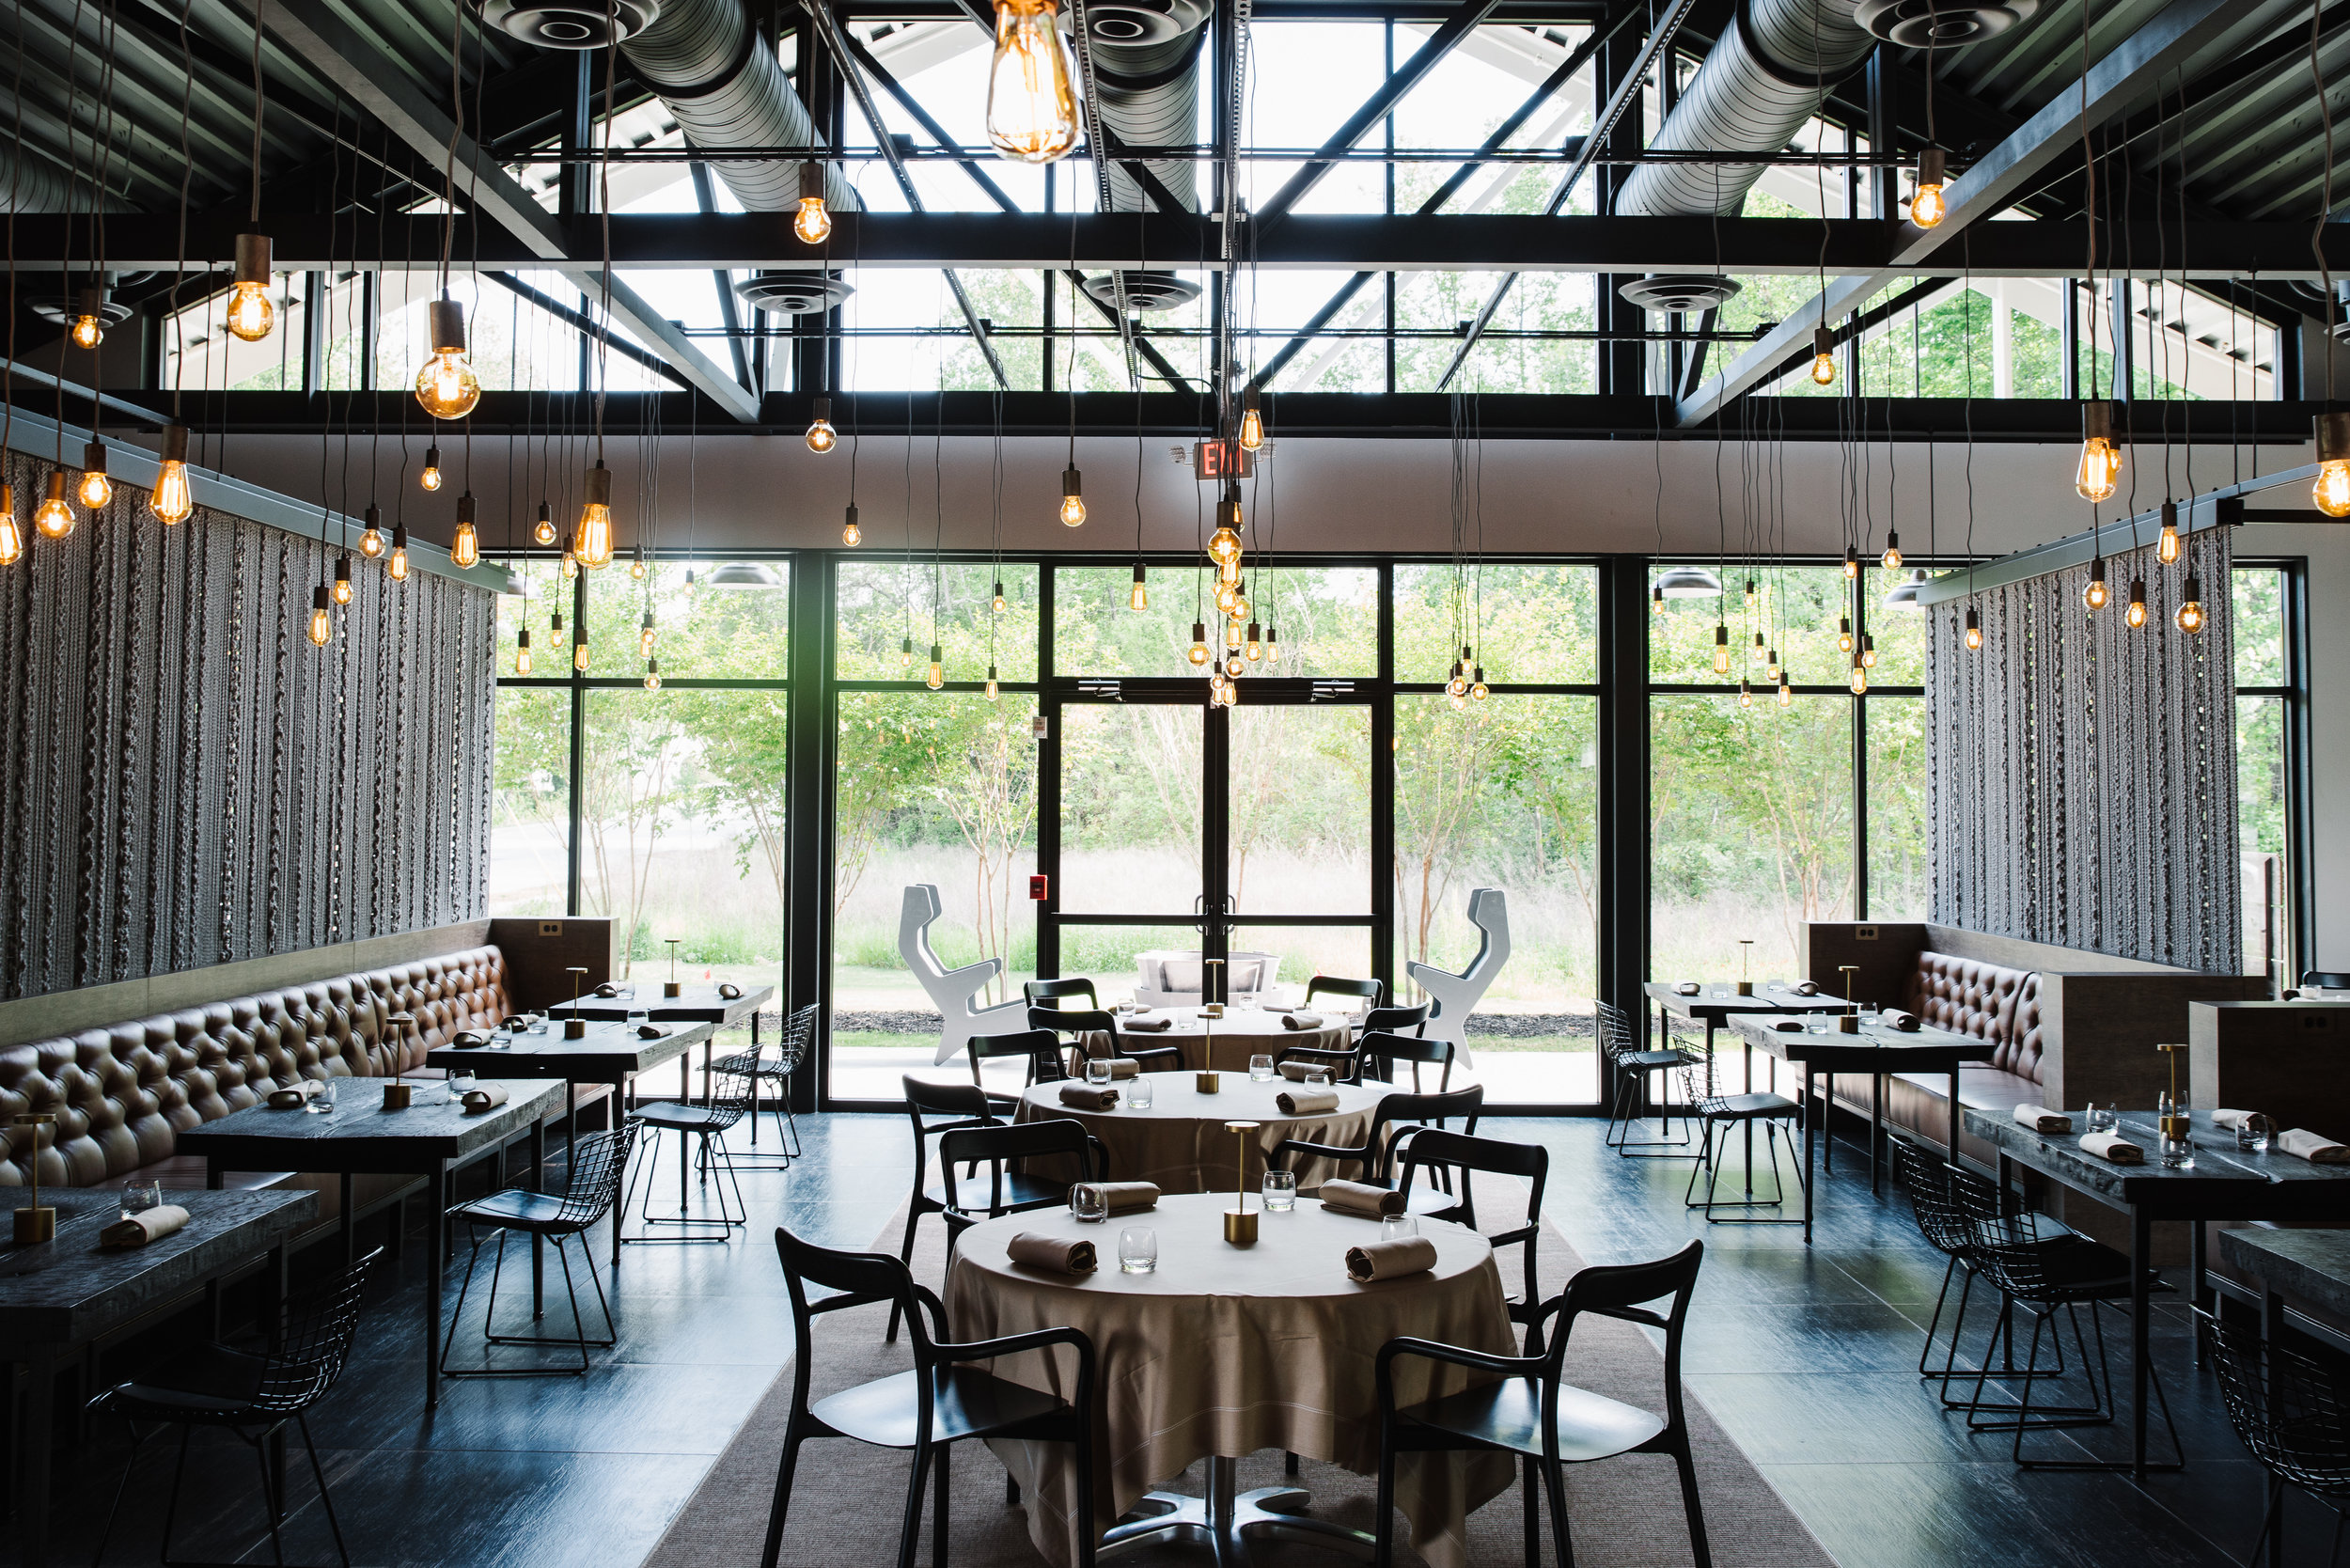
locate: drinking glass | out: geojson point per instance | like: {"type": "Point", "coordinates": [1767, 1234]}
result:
{"type": "Point", "coordinates": [140, 1197]}
{"type": "Point", "coordinates": [1098, 1071]}
{"type": "Point", "coordinates": [2104, 1119]}
{"type": "Point", "coordinates": [1318, 1078]}
{"type": "Point", "coordinates": [321, 1101]}
{"type": "Point", "coordinates": [1137, 1094]}
{"type": "Point", "coordinates": [459, 1083]}
{"type": "Point", "coordinates": [638, 1015]}
{"type": "Point", "coordinates": [2253, 1138]}
{"type": "Point", "coordinates": [1395, 1227]}
{"type": "Point", "coordinates": [1281, 1191]}
{"type": "Point", "coordinates": [1259, 1068]}
{"type": "Point", "coordinates": [1088, 1203]}
{"type": "Point", "coordinates": [2178, 1149]}
{"type": "Point", "coordinates": [1138, 1249]}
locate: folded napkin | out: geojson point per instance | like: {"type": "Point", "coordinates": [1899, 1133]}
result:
{"type": "Point", "coordinates": [1307, 1101]}
{"type": "Point", "coordinates": [1148, 1026]}
{"type": "Point", "coordinates": [607, 991]}
{"type": "Point", "coordinates": [651, 1031]}
{"type": "Point", "coordinates": [2040, 1118]}
{"type": "Point", "coordinates": [1390, 1260]}
{"type": "Point", "coordinates": [1057, 1254]}
{"type": "Point", "coordinates": [1687, 988]}
{"type": "Point", "coordinates": [1894, 1018]}
{"type": "Point", "coordinates": [729, 991]}
{"type": "Point", "coordinates": [2112, 1146]}
{"type": "Point", "coordinates": [1079, 1097]}
{"type": "Point", "coordinates": [292, 1097]}
{"type": "Point", "coordinates": [2316, 1147]}
{"type": "Point", "coordinates": [1267, 1007]}
{"type": "Point", "coordinates": [1126, 1197]}
{"type": "Point", "coordinates": [468, 1039]}
{"type": "Point", "coordinates": [1360, 1198]}
{"type": "Point", "coordinates": [1790, 1025]}
{"type": "Point", "coordinates": [1806, 988]}
{"type": "Point", "coordinates": [139, 1228]}
{"type": "Point", "coordinates": [2231, 1120]}
{"type": "Point", "coordinates": [1301, 1020]}
{"type": "Point", "coordinates": [488, 1097]}
{"type": "Point", "coordinates": [1297, 1072]}
{"type": "Point", "coordinates": [519, 1022]}
{"type": "Point", "coordinates": [1124, 1067]}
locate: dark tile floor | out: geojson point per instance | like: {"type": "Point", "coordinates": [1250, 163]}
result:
{"type": "Point", "coordinates": [1807, 1356]}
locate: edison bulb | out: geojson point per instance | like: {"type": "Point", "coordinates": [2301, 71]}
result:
{"type": "Point", "coordinates": [1927, 208]}
{"type": "Point", "coordinates": [851, 535]}
{"type": "Point", "coordinates": [171, 502]}
{"type": "Point", "coordinates": [905, 654]}
{"type": "Point", "coordinates": [1770, 667]}
{"type": "Point", "coordinates": [343, 580]}
{"type": "Point", "coordinates": [2190, 616]}
{"type": "Point", "coordinates": [1479, 691]}
{"type": "Point", "coordinates": [1251, 426]}
{"type": "Point", "coordinates": [2135, 615]}
{"type": "Point", "coordinates": [54, 518]}
{"type": "Point", "coordinates": [2095, 596]}
{"type": "Point", "coordinates": [1823, 369]}
{"type": "Point", "coordinates": [636, 566]}
{"type": "Point", "coordinates": [1859, 679]}
{"type": "Point", "coordinates": [1031, 103]}
{"type": "Point", "coordinates": [522, 652]}
{"type": "Point", "coordinates": [993, 690]}
{"type": "Point", "coordinates": [1073, 503]}
{"type": "Point", "coordinates": [647, 635]}
{"type": "Point", "coordinates": [652, 674]}
{"type": "Point", "coordinates": [465, 546]}
{"type": "Point", "coordinates": [542, 531]}
{"type": "Point", "coordinates": [1253, 648]}
{"type": "Point", "coordinates": [1721, 659]}
{"type": "Point", "coordinates": [1235, 667]}
{"type": "Point", "coordinates": [1868, 652]}
{"type": "Point", "coordinates": [579, 654]}
{"type": "Point", "coordinates": [1757, 652]}
{"type": "Point", "coordinates": [1199, 652]}
{"type": "Point", "coordinates": [1892, 559]}
{"type": "Point", "coordinates": [592, 537]}
{"type": "Point", "coordinates": [1753, 595]}
{"type": "Point", "coordinates": [95, 491]}
{"type": "Point", "coordinates": [998, 603]}
{"type": "Point", "coordinates": [1139, 596]}
{"type": "Point", "coordinates": [1226, 597]}
{"type": "Point", "coordinates": [813, 224]}
{"type": "Point", "coordinates": [1231, 635]}
{"type": "Point", "coordinates": [1974, 632]}
{"type": "Point", "coordinates": [446, 387]}
{"type": "Point", "coordinates": [2332, 490]}
{"type": "Point", "coordinates": [321, 622]}
{"type": "Point", "coordinates": [1239, 610]}
{"type": "Point", "coordinates": [1223, 547]}
{"type": "Point", "coordinates": [568, 566]}
{"type": "Point", "coordinates": [1851, 563]}
{"type": "Point", "coordinates": [11, 541]}
{"type": "Point", "coordinates": [371, 538]}
{"type": "Point", "coordinates": [398, 565]}
{"type": "Point", "coordinates": [1786, 695]}
{"type": "Point", "coordinates": [250, 314]}
{"type": "Point", "coordinates": [88, 331]}
{"type": "Point", "coordinates": [430, 477]}
{"type": "Point", "coordinates": [822, 437]}
{"type": "Point", "coordinates": [936, 677]}
{"type": "Point", "coordinates": [1745, 695]}
{"type": "Point", "coordinates": [2100, 466]}
{"type": "Point", "coordinates": [1844, 634]}
{"type": "Point", "coordinates": [2167, 547]}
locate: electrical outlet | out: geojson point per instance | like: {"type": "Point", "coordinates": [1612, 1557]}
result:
{"type": "Point", "coordinates": [550, 928]}
{"type": "Point", "coordinates": [2317, 1021]}
{"type": "Point", "coordinates": [1864, 933]}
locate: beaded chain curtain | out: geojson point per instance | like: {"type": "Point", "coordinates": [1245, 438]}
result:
{"type": "Point", "coordinates": [2081, 773]}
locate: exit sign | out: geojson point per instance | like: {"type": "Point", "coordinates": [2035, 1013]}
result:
{"type": "Point", "coordinates": [1222, 460]}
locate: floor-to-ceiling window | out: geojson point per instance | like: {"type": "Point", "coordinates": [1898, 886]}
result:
{"type": "Point", "coordinates": [2268, 795]}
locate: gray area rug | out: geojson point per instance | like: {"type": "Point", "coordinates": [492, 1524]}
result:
{"type": "Point", "coordinates": [848, 1500]}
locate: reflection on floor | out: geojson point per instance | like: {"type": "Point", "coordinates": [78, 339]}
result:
{"type": "Point", "coordinates": [1806, 1356]}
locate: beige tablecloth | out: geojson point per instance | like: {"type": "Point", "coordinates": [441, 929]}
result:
{"type": "Point", "coordinates": [1228, 1350]}
{"type": "Point", "coordinates": [1180, 1143]}
{"type": "Point", "coordinates": [1239, 1035]}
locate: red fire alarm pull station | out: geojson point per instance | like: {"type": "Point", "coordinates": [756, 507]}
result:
{"type": "Point", "coordinates": [1036, 889]}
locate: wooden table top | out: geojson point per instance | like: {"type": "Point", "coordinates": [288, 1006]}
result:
{"type": "Point", "coordinates": [1719, 999]}
{"type": "Point", "coordinates": [696, 1002]}
{"type": "Point", "coordinates": [361, 1135]}
{"type": "Point", "coordinates": [1876, 1048]}
{"type": "Point", "coordinates": [609, 1053]}
{"type": "Point", "coordinates": [69, 1290]}
{"type": "Point", "coordinates": [2274, 1185]}
{"type": "Point", "coordinates": [2311, 1264]}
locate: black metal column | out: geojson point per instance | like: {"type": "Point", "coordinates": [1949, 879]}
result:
{"type": "Point", "coordinates": [1383, 867]}
{"type": "Point", "coordinates": [1047, 775]}
{"type": "Point", "coordinates": [1623, 364]}
{"type": "Point", "coordinates": [1624, 784]}
{"type": "Point", "coordinates": [807, 860]}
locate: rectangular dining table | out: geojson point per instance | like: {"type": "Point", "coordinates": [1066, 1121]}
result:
{"type": "Point", "coordinates": [2225, 1183]}
{"type": "Point", "coordinates": [430, 1138]}
{"type": "Point", "coordinates": [59, 1295]}
{"type": "Point", "coordinates": [693, 1004]}
{"type": "Point", "coordinates": [610, 1053]}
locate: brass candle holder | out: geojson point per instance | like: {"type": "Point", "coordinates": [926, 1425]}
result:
{"type": "Point", "coordinates": [2176, 1122]}
{"type": "Point", "coordinates": [1240, 1221]}
{"type": "Point", "coordinates": [575, 1027]}
{"type": "Point", "coordinates": [37, 1222]}
{"type": "Point", "coordinates": [1745, 979]}
{"type": "Point", "coordinates": [1848, 1021]}
{"type": "Point", "coordinates": [1207, 1080]}
{"type": "Point", "coordinates": [673, 989]}
{"type": "Point", "coordinates": [397, 1093]}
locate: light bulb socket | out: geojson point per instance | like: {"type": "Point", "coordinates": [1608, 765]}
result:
{"type": "Point", "coordinates": [342, 567]}
{"type": "Point", "coordinates": [522, 639]}
{"type": "Point", "coordinates": [1823, 341]}
{"type": "Point", "coordinates": [446, 318]}
{"type": "Point", "coordinates": [2170, 509]}
{"type": "Point", "coordinates": [647, 623]}
{"type": "Point", "coordinates": [57, 485]}
{"type": "Point", "coordinates": [2097, 421]}
{"type": "Point", "coordinates": [2191, 591]}
{"type": "Point", "coordinates": [253, 258]}
{"type": "Point", "coordinates": [2138, 590]}
{"type": "Point", "coordinates": [374, 516]}
{"type": "Point", "coordinates": [91, 301]}
{"type": "Point", "coordinates": [1721, 635]}
{"type": "Point", "coordinates": [1931, 167]}
{"type": "Point", "coordinates": [94, 458]}
{"type": "Point", "coordinates": [2333, 435]}
{"type": "Point", "coordinates": [822, 414]}
{"type": "Point", "coordinates": [400, 536]}
{"type": "Point", "coordinates": [1198, 631]}
{"type": "Point", "coordinates": [1138, 571]}
{"type": "Point", "coordinates": [465, 509]}
{"type": "Point", "coordinates": [432, 455]}
{"type": "Point", "coordinates": [599, 486]}
{"type": "Point", "coordinates": [811, 181]}
{"type": "Point", "coordinates": [1072, 482]}
{"type": "Point", "coordinates": [936, 657]}
{"type": "Point", "coordinates": [175, 448]}
{"type": "Point", "coordinates": [849, 519]}
{"type": "Point", "coordinates": [1974, 621]}
{"type": "Point", "coordinates": [318, 597]}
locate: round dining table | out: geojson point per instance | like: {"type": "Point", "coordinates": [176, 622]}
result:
{"type": "Point", "coordinates": [1241, 1033]}
{"type": "Point", "coordinates": [1226, 1350]}
{"type": "Point", "coordinates": [1179, 1143]}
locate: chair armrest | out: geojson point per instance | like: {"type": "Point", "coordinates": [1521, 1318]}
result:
{"type": "Point", "coordinates": [1331, 1053]}
{"type": "Point", "coordinates": [1457, 1355]}
{"type": "Point", "coordinates": [1150, 1053]}
{"type": "Point", "coordinates": [1012, 1345]}
{"type": "Point", "coordinates": [1327, 1150]}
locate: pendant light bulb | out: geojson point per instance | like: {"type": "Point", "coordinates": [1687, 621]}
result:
{"type": "Point", "coordinates": [1272, 646]}
{"type": "Point", "coordinates": [1232, 636]}
{"type": "Point", "coordinates": [342, 578]}
{"type": "Point", "coordinates": [1253, 646]}
{"type": "Point", "coordinates": [822, 437]}
{"type": "Point", "coordinates": [2190, 616]}
{"type": "Point", "coordinates": [2332, 490]}
{"type": "Point", "coordinates": [1754, 597]}
{"type": "Point", "coordinates": [371, 537]}
{"type": "Point", "coordinates": [95, 490]}
{"type": "Point", "coordinates": [1860, 678]}
{"type": "Point", "coordinates": [568, 566]}
{"type": "Point", "coordinates": [250, 314]}
{"type": "Point", "coordinates": [1745, 695]}
{"type": "Point", "coordinates": [1892, 559]}
{"type": "Point", "coordinates": [1844, 634]}
{"type": "Point", "coordinates": [1974, 632]}
{"type": "Point", "coordinates": [994, 691]}
{"type": "Point", "coordinates": [1927, 206]}
{"type": "Point", "coordinates": [998, 603]}
{"type": "Point", "coordinates": [851, 535]}
{"type": "Point", "coordinates": [522, 652]}
{"type": "Point", "coordinates": [905, 654]}
{"type": "Point", "coordinates": [1851, 563]}
{"type": "Point", "coordinates": [1235, 667]}
{"type": "Point", "coordinates": [813, 224]}
{"type": "Point", "coordinates": [579, 653]}
{"type": "Point", "coordinates": [1198, 654]}
{"type": "Point", "coordinates": [1479, 691]}
{"type": "Point", "coordinates": [2167, 547]}
{"type": "Point", "coordinates": [1138, 597]}
{"type": "Point", "coordinates": [1786, 693]}
{"type": "Point", "coordinates": [652, 674]}
{"type": "Point", "coordinates": [542, 530]}
{"type": "Point", "coordinates": [2136, 614]}
{"type": "Point", "coordinates": [465, 546]}
{"type": "Point", "coordinates": [556, 637]}
{"type": "Point", "coordinates": [1868, 652]}
{"type": "Point", "coordinates": [171, 501]}
{"type": "Point", "coordinates": [1656, 598]}
{"type": "Point", "coordinates": [11, 538]}
{"type": "Point", "coordinates": [1073, 505]}
{"type": "Point", "coordinates": [446, 387]}
{"type": "Point", "coordinates": [1770, 665]}
{"type": "Point", "coordinates": [89, 319]}
{"type": "Point", "coordinates": [1822, 357]}
{"type": "Point", "coordinates": [321, 622]}
{"type": "Point", "coordinates": [937, 676]}
{"type": "Point", "coordinates": [54, 517]}
{"type": "Point", "coordinates": [397, 566]}
{"type": "Point", "coordinates": [2100, 463]}
{"type": "Point", "coordinates": [1757, 652]}
{"type": "Point", "coordinates": [1252, 423]}
{"type": "Point", "coordinates": [637, 565]}
{"type": "Point", "coordinates": [647, 635]}
{"type": "Point", "coordinates": [2095, 597]}
{"type": "Point", "coordinates": [430, 477]}
{"type": "Point", "coordinates": [1032, 103]}
{"type": "Point", "coordinates": [1721, 648]}
{"type": "Point", "coordinates": [591, 537]}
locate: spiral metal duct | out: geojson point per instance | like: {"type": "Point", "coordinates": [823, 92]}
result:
{"type": "Point", "coordinates": [1146, 88]}
{"type": "Point", "coordinates": [29, 184]}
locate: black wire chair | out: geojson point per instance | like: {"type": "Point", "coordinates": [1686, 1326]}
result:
{"type": "Point", "coordinates": [2045, 1274]}
{"type": "Point", "coordinates": [940, 1402]}
{"type": "Point", "coordinates": [2291, 1409]}
{"type": "Point", "coordinates": [1934, 1186]}
{"type": "Point", "coordinates": [1077, 1024]}
{"type": "Point", "coordinates": [1631, 1065]}
{"type": "Point", "coordinates": [776, 1066]}
{"type": "Point", "coordinates": [1546, 1422]}
{"type": "Point", "coordinates": [251, 1395]}
{"type": "Point", "coordinates": [598, 1167]}
{"type": "Point", "coordinates": [1459, 1152]}
{"type": "Point", "coordinates": [733, 1091]}
{"type": "Point", "coordinates": [1719, 1116]}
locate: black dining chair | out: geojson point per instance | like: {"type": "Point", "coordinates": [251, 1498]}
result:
{"type": "Point", "coordinates": [1008, 1188]}
{"type": "Point", "coordinates": [1719, 1115]}
{"type": "Point", "coordinates": [1038, 992]}
{"type": "Point", "coordinates": [1460, 1155]}
{"type": "Point", "coordinates": [1041, 1047]}
{"type": "Point", "coordinates": [775, 1066]}
{"type": "Point", "coordinates": [959, 1105]}
{"type": "Point", "coordinates": [1631, 1065]}
{"type": "Point", "coordinates": [734, 1090]}
{"type": "Point", "coordinates": [2291, 1409]}
{"type": "Point", "coordinates": [1077, 1025]}
{"type": "Point", "coordinates": [1369, 991]}
{"type": "Point", "coordinates": [1395, 1119]}
{"type": "Point", "coordinates": [593, 1188]}
{"type": "Point", "coordinates": [251, 1394]}
{"type": "Point", "coordinates": [1534, 1414]}
{"type": "Point", "coordinates": [942, 1402]}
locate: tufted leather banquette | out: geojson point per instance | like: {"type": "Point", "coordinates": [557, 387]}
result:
{"type": "Point", "coordinates": [1968, 996]}
{"type": "Point", "coordinates": [122, 1092]}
